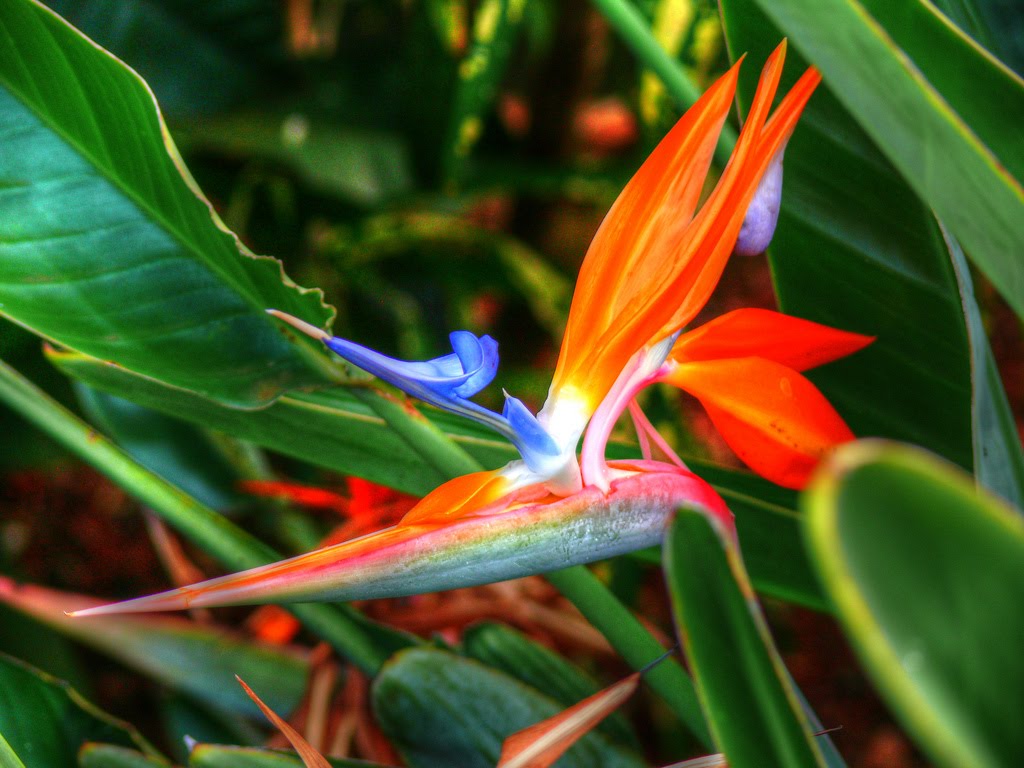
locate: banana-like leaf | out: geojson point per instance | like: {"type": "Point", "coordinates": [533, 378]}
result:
{"type": "Point", "coordinates": [755, 714]}
{"type": "Point", "coordinates": [111, 756]}
{"type": "Point", "coordinates": [218, 756]}
{"type": "Point", "coordinates": [927, 578]}
{"type": "Point", "coordinates": [996, 24]}
{"type": "Point", "coordinates": [106, 244]}
{"type": "Point", "coordinates": [937, 106]}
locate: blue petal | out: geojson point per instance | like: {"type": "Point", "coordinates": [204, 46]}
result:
{"type": "Point", "coordinates": [447, 382]}
{"type": "Point", "coordinates": [763, 213]}
{"type": "Point", "coordinates": [532, 440]}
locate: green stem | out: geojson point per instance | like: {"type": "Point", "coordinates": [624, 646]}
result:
{"type": "Point", "coordinates": [634, 643]}
{"type": "Point", "coordinates": [231, 546]}
{"type": "Point", "coordinates": [626, 19]}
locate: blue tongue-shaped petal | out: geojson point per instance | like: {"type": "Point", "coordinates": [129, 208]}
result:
{"type": "Point", "coordinates": [763, 213]}
{"type": "Point", "coordinates": [478, 358]}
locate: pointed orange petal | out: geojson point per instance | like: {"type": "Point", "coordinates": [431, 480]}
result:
{"type": "Point", "coordinates": [310, 757]}
{"type": "Point", "coordinates": [790, 341]}
{"type": "Point", "coordinates": [775, 420]}
{"type": "Point", "coordinates": [629, 253]}
{"type": "Point", "coordinates": [542, 744]}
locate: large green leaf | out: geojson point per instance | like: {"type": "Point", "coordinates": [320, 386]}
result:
{"type": "Point", "coordinates": [338, 430]}
{"type": "Point", "coordinates": [106, 244]}
{"type": "Point", "coordinates": [996, 24]}
{"type": "Point", "coordinates": [937, 108]}
{"type": "Point", "coordinates": [754, 713]}
{"type": "Point", "coordinates": [927, 578]}
{"type": "Point", "coordinates": [182, 654]}
{"type": "Point", "coordinates": [441, 710]}
{"type": "Point", "coordinates": [855, 249]}
{"type": "Point", "coordinates": [44, 722]}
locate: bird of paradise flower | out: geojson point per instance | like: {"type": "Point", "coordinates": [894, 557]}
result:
{"type": "Point", "coordinates": [650, 269]}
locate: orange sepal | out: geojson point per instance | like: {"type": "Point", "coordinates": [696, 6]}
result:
{"type": "Point", "coordinates": [458, 498]}
{"type": "Point", "coordinates": [774, 419]}
{"type": "Point", "coordinates": [791, 341]}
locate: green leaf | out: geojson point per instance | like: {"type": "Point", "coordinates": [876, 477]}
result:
{"type": "Point", "coordinates": [180, 653]}
{"type": "Point", "coordinates": [108, 247]}
{"type": "Point", "coordinates": [441, 710]}
{"type": "Point", "coordinates": [44, 721]}
{"type": "Point", "coordinates": [217, 756]}
{"type": "Point", "coordinates": [513, 653]}
{"type": "Point", "coordinates": [335, 429]}
{"type": "Point", "coordinates": [996, 24]}
{"type": "Point", "coordinates": [855, 249]}
{"type": "Point", "coordinates": [915, 87]}
{"type": "Point", "coordinates": [7, 757]}
{"type": "Point", "coordinates": [998, 458]}
{"type": "Point", "coordinates": [179, 452]}
{"type": "Point", "coordinates": [926, 576]}
{"type": "Point", "coordinates": [110, 756]}
{"type": "Point", "coordinates": [754, 713]}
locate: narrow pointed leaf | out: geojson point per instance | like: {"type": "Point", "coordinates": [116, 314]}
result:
{"type": "Point", "coordinates": [755, 716]}
{"type": "Point", "coordinates": [441, 710]}
{"type": "Point", "coordinates": [111, 756]}
{"type": "Point", "coordinates": [885, 522]}
{"type": "Point", "coordinates": [998, 456]}
{"type": "Point", "coordinates": [963, 163]}
{"type": "Point", "coordinates": [540, 745]}
{"type": "Point", "coordinates": [219, 756]}
{"type": "Point", "coordinates": [108, 247]}
{"type": "Point", "coordinates": [310, 757]}
{"type": "Point", "coordinates": [186, 656]}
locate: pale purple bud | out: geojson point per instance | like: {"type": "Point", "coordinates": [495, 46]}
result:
{"type": "Point", "coordinates": [763, 213]}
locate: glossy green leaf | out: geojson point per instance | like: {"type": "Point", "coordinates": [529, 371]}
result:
{"type": "Point", "coordinates": [996, 24]}
{"type": "Point", "coordinates": [218, 756]}
{"type": "Point", "coordinates": [441, 710]}
{"type": "Point", "coordinates": [513, 653]}
{"type": "Point", "coordinates": [108, 247]}
{"type": "Point", "coordinates": [755, 715]}
{"type": "Point", "coordinates": [998, 457]}
{"type": "Point", "coordinates": [335, 429]}
{"type": "Point", "coordinates": [176, 45]}
{"type": "Point", "coordinates": [44, 721]}
{"type": "Point", "coordinates": [926, 575]}
{"type": "Point", "coordinates": [180, 653]}
{"type": "Point", "coordinates": [911, 84]}
{"type": "Point", "coordinates": [855, 249]}
{"type": "Point", "coordinates": [184, 720]}
{"type": "Point", "coordinates": [179, 452]}
{"type": "Point", "coordinates": [110, 756]}
{"type": "Point", "coordinates": [358, 167]}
